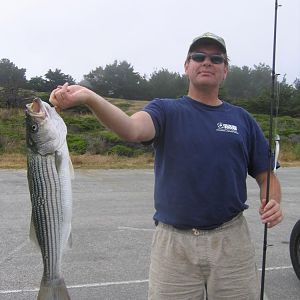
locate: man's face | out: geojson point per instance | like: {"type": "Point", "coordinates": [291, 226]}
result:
{"type": "Point", "coordinates": [206, 73]}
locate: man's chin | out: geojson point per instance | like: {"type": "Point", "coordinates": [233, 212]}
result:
{"type": "Point", "coordinates": [205, 83]}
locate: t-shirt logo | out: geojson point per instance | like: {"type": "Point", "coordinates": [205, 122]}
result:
{"type": "Point", "coordinates": [227, 128]}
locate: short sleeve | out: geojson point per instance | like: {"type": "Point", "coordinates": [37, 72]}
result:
{"type": "Point", "coordinates": [156, 110]}
{"type": "Point", "coordinates": [259, 151]}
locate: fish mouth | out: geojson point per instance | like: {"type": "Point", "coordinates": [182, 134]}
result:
{"type": "Point", "coordinates": [36, 109]}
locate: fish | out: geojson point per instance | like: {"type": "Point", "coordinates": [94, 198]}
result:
{"type": "Point", "coordinates": [49, 175]}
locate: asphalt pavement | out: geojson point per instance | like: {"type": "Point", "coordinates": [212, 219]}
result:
{"type": "Point", "coordinates": [112, 230]}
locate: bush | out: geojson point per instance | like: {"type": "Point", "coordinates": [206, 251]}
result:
{"type": "Point", "coordinates": [297, 151]}
{"type": "Point", "coordinates": [110, 136]}
{"type": "Point", "coordinates": [96, 145]}
{"type": "Point", "coordinates": [289, 150]}
{"type": "Point", "coordinates": [123, 105]}
{"type": "Point", "coordinates": [81, 123]}
{"type": "Point", "coordinates": [3, 143]}
{"type": "Point", "coordinates": [121, 150]}
{"type": "Point", "coordinates": [43, 95]}
{"type": "Point", "coordinates": [76, 144]}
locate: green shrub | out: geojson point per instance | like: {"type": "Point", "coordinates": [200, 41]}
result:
{"type": "Point", "coordinates": [87, 135]}
{"type": "Point", "coordinates": [110, 136]}
{"type": "Point", "coordinates": [81, 123]}
{"type": "Point", "coordinates": [96, 145]}
{"type": "Point", "coordinates": [297, 151]}
{"type": "Point", "coordinates": [2, 144]}
{"type": "Point", "coordinates": [43, 95]}
{"type": "Point", "coordinates": [283, 125]}
{"type": "Point", "coordinates": [123, 105]}
{"type": "Point", "coordinates": [76, 144]}
{"type": "Point", "coordinates": [121, 150]}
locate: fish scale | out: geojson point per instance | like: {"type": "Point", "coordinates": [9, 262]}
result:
{"type": "Point", "coordinates": [46, 213]}
{"type": "Point", "coordinates": [49, 179]}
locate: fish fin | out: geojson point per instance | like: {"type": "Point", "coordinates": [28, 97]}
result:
{"type": "Point", "coordinates": [53, 290]}
{"type": "Point", "coordinates": [32, 234]}
{"type": "Point", "coordinates": [72, 175]}
{"type": "Point", "coordinates": [70, 241]}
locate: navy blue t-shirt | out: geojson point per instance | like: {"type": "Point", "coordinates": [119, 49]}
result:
{"type": "Point", "coordinates": [202, 157]}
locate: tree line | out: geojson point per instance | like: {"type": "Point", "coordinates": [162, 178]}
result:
{"type": "Point", "coordinates": [244, 86]}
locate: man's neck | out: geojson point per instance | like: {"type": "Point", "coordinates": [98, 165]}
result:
{"type": "Point", "coordinates": [208, 97]}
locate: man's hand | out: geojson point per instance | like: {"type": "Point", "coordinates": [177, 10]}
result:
{"type": "Point", "coordinates": [65, 96]}
{"type": "Point", "coordinates": [271, 213]}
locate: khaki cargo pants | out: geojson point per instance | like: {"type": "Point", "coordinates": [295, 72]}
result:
{"type": "Point", "coordinates": [203, 264]}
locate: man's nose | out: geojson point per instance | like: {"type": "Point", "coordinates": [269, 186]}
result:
{"type": "Point", "coordinates": [207, 60]}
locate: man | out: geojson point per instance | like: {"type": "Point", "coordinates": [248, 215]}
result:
{"type": "Point", "coordinates": [204, 149]}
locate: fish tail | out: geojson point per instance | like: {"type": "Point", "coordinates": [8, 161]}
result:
{"type": "Point", "coordinates": [53, 290]}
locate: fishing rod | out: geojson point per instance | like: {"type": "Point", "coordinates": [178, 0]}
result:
{"type": "Point", "coordinates": [270, 154]}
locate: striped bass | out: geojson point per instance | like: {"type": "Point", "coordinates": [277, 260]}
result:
{"type": "Point", "coordinates": [49, 172]}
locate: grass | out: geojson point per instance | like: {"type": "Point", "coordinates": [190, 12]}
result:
{"type": "Point", "coordinates": [93, 146]}
{"type": "Point", "coordinates": [13, 161]}
{"type": "Point", "coordinates": [145, 161]}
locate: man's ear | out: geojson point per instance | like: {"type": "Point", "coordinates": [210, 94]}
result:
{"type": "Point", "coordinates": [186, 64]}
{"type": "Point", "coordinates": [225, 73]}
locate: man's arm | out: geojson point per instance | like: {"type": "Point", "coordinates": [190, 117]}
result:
{"type": "Point", "coordinates": [270, 212]}
{"type": "Point", "coordinates": [136, 128]}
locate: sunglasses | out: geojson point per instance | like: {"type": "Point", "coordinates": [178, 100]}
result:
{"type": "Point", "coordinates": [214, 58]}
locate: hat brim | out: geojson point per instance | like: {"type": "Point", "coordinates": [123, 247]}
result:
{"type": "Point", "coordinates": [207, 41]}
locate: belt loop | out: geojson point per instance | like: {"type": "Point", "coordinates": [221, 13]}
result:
{"type": "Point", "coordinates": [195, 231]}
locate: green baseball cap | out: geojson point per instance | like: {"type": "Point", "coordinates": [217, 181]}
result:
{"type": "Point", "coordinates": [208, 37]}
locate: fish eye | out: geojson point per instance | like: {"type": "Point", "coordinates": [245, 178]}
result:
{"type": "Point", "coordinates": [34, 128]}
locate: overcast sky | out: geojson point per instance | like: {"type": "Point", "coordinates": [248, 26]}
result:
{"type": "Point", "coordinates": [78, 36]}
